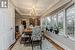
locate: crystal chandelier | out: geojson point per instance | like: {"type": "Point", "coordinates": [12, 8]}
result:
{"type": "Point", "coordinates": [33, 11]}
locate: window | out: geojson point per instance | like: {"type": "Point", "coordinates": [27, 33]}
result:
{"type": "Point", "coordinates": [70, 13]}
{"type": "Point", "coordinates": [61, 21]}
{"type": "Point", "coordinates": [54, 21]}
{"type": "Point", "coordinates": [46, 23]}
{"type": "Point", "coordinates": [48, 19]}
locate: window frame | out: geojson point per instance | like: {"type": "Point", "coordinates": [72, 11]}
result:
{"type": "Point", "coordinates": [60, 11]}
{"type": "Point", "coordinates": [72, 5]}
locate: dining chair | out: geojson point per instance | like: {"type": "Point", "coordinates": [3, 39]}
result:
{"type": "Point", "coordinates": [36, 36]}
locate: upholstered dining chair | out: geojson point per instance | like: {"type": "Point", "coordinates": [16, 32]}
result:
{"type": "Point", "coordinates": [36, 36]}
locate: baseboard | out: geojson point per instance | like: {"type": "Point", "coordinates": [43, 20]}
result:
{"type": "Point", "coordinates": [12, 45]}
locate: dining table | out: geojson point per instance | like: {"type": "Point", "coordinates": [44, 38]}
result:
{"type": "Point", "coordinates": [27, 33]}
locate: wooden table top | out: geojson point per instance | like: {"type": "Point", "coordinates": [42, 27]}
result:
{"type": "Point", "coordinates": [27, 30]}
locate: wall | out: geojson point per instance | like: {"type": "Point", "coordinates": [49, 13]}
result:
{"type": "Point", "coordinates": [18, 23]}
{"type": "Point", "coordinates": [7, 26]}
{"type": "Point", "coordinates": [19, 18]}
{"type": "Point", "coordinates": [74, 0]}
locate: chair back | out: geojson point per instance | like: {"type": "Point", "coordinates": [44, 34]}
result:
{"type": "Point", "coordinates": [36, 31]}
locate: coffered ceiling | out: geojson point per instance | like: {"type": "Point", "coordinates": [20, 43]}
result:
{"type": "Point", "coordinates": [24, 7]}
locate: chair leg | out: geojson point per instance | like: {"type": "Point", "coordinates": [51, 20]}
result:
{"type": "Point", "coordinates": [32, 45]}
{"type": "Point", "coordinates": [41, 44]}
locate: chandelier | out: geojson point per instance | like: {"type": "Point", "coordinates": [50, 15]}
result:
{"type": "Point", "coordinates": [33, 11]}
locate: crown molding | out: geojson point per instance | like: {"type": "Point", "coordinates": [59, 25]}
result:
{"type": "Point", "coordinates": [49, 11]}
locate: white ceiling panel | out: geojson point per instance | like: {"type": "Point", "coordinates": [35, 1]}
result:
{"type": "Point", "coordinates": [25, 6]}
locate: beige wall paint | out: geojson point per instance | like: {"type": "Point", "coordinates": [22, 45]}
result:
{"type": "Point", "coordinates": [18, 21]}
{"type": "Point", "coordinates": [74, 1]}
